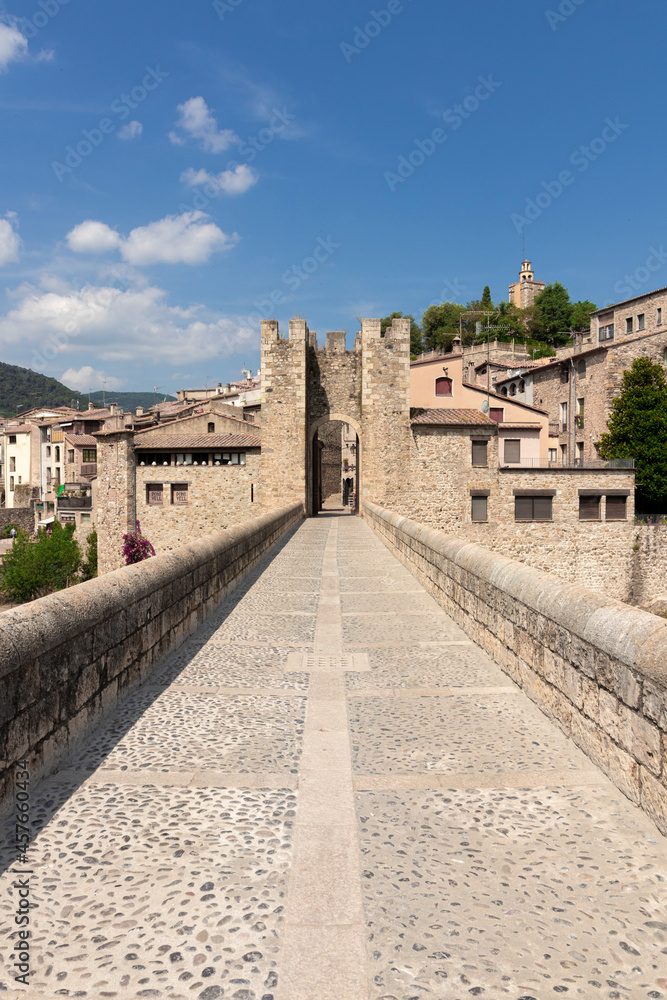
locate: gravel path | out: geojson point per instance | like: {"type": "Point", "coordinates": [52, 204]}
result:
{"type": "Point", "coordinates": [329, 793]}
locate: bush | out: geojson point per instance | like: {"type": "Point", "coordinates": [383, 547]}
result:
{"type": "Point", "coordinates": [136, 547]}
{"type": "Point", "coordinates": [7, 532]}
{"type": "Point", "coordinates": [34, 568]}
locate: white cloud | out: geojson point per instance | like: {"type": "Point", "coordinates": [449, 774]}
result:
{"type": "Point", "coordinates": [93, 237]}
{"type": "Point", "coordinates": [105, 324]}
{"type": "Point", "coordinates": [13, 45]}
{"type": "Point", "coordinates": [130, 131]}
{"type": "Point", "coordinates": [85, 378]}
{"type": "Point", "coordinates": [10, 241]}
{"type": "Point", "coordinates": [176, 239]}
{"type": "Point", "coordinates": [197, 122]}
{"type": "Point", "coordinates": [232, 182]}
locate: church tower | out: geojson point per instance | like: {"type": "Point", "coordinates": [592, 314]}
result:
{"type": "Point", "coordinates": [524, 291]}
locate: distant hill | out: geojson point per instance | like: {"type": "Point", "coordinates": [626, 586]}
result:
{"type": "Point", "coordinates": [130, 400]}
{"type": "Point", "coordinates": [21, 389]}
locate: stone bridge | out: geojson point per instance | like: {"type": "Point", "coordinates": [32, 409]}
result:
{"type": "Point", "coordinates": [305, 760]}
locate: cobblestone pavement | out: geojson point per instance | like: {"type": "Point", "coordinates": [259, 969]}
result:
{"type": "Point", "coordinates": [329, 793]}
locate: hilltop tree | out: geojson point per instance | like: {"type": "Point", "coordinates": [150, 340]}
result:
{"type": "Point", "coordinates": [440, 324]}
{"type": "Point", "coordinates": [637, 427]}
{"type": "Point", "coordinates": [581, 315]}
{"type": "Point", "coordinates": [415, 331]}
{"type": "Point", "coordinates": [552, 314]}
{"type": "Point", "coordinates": [487, 301]}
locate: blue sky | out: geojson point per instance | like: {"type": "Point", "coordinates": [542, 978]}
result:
{"type": "Point", "coordinates": [172, 173]}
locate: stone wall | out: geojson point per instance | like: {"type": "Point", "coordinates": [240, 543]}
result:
{"type": "Point", "coordinates": [330, 434]}
{"type": "Point", "coordinates": [283, 414]}
{"type": "Point", "coordinates": [22, 517]}
{"type": "Point", "coordinates": [218, 495]}
{"type": "Point", "coordinates": [595, 666]}
{"type": "Point", "coordinates": [67, 657]}
{"type": "Point", "coordinates": [114, 497]}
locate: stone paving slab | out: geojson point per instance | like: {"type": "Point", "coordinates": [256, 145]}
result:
{"type": "Point", "coordinates": [328, 792]}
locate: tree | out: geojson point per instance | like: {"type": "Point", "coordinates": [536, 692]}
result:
{"type": "Point", "coordinates": [487, 302]}
{"type": "Point", "coordinates": [33, 568]}
{"type": "Point", "coordinates": [440, 324]}
{"type": "Point", "coordinates": [552, 314]}
{"type": "Point", "coordinates": [637, 427]}
{"type": "Point", "coordinates": [89, 566]}
{"type": "Point", "coordinates": [415, 331]}
{"type": "Point", "coordinates": [581, 315]}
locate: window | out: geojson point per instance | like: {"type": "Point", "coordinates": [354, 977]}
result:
{"type": "Point", "coordinates": [533, 508]}
{"type": "Point", "coordinates": [522, 386]}
{"type": "Point", "coordinates": [57, 453]}
{"type": "Point", "coordinates": [607, 332]}
{"type": "Point", "coordinates": [565, 373]}
{"type": "Point", "coordinates": [563, 416]}
{"type": "Point", "coordinates": [48, 473]}
{"type": "Point", "coordinates": [90, 454]}
{"type": "Point", "coordinates": [503, 391]}
{"type": "Point", "coordinates": [479, 454]}
{"type": "Point", "coordinates": [579, 417]}
{"type": "Point", "coordinates": [628, 325]}
{"type": "Point", "coordinates": [12, 464]}
{"type": "Point", "coordinates": [70, 454]}
{"type": "Point", "coordinates": [479, 508]}
{"type": "Point", "coordinates": [589, 508]}
{"type": "Point", "coordinates": [512, 450]}
{"type": "Point", "coordinates": [581, 369]}
{"type": "Point", "coordinates": [184, 459]}
{"type": "Point", "coordinates": [616, 508]}
{"type": "Point", "coordinates": [12, 438]}
{"type": "Point", "coordinates": [154, 494]}
{"type": "Point", "coordinates": [664, 356]}
{"type": "Point", "coordinates": [658, 317]}
{"type": "Point", "coordinates": [641, 321]}
{"type": "Point", "coordinates": [11, 483]}
{"type": "Point", "coordinates": [563, 454]}
{"type": "Point", "coordinates": [513, 389]}
{"type": "Point", "coordinates": [553, 455]}
{"type": "Point", "coordinates": [497, 413]}
{"type": "Point", "coordinates": [443, 386]}
{"type": "Point", "coordinates": [580, 452]}
{"type": "Point", "coordinates": [48, 451]}
{"type": "Point", "coordinates": [211, 428]}
{"type": "Point", "coordinates": [179, 493]}
{"type": "Point", "coordinates": [85, 518]}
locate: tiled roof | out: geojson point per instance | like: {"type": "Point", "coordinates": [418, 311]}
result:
{"type": "Point", "coordinates": [509, 364]}
{"type": "Point", "coordinates": [82, 440]}
{"type": "Point", "coordinates": [209, 442]}
{"type": "Point", "coordinates": [19, 429]}
{"type": "Point", "coordinates": [192, 416]}
{"type": "Point", "coordinates": [455, 418]}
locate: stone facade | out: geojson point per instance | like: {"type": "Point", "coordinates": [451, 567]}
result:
{"type": "Point", "coordinates": [331, 458]}
{"type": "Point", "coordinates": [595, 666]}
{"type": "Point", "coordinates": [217, 496]}
{"type": "Point", "coordinates": [114, 496]}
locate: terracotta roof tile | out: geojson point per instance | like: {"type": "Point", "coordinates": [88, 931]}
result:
{"type": "Point", "coordinates": [209, 442]}
{"type": "Point", "coordinates": [451, 417]}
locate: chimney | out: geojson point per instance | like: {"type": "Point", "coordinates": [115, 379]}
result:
{"type": "Point", "coordinates": [456, 346]}
{"type": "Point", "coordinates": [113, 409]}
{"type": "Point", "coordinates": [140, 411]}
{"type": "Point", "coordinates": [91, 405]}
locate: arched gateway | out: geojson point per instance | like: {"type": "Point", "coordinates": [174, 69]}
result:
{"type": "Point", "coordinates": [305, 387]}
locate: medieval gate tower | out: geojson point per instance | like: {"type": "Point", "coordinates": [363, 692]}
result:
{"type": "Point", "coordinates": [304, 386]}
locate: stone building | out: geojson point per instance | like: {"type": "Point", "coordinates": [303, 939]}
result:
{"type": "Point", "coordinates": [522, 293]}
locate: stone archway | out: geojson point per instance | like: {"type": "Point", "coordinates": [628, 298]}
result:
{"type": "Point", "coordinates": [315, 474]}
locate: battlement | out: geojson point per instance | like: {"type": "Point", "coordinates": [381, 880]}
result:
{"type": "Point", "coordinates": [396, 334]}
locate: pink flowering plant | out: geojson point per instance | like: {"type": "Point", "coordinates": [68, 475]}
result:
{"type": "Point", "coordinates": [136, 548]}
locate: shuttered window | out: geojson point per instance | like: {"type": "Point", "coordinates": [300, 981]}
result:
{"type": "Point", "coordinates": [497, 413]}
{"type": "Point", "coordinates": [512, 450]}
{"type": "Point", "coordinates": [479, 453]}
{"type": "Point", "coordinates": [616, 508]}
{"type": "Point", "coordinates": [589, 508]}
{"type": "Point", "coordinates": [154, 495]}
{"type": "Point", "coordinates": [533, 508]}
{"type": "Point", "coordinates": [179, 493]}
{"type": "Point", "coordinates": [479, 508]}
{"type": "Point", "coordinates": [443, 387]}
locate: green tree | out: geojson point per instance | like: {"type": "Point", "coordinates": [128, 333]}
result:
{"type": "Point", "coordinates": [62, 556]}
{"type": "Point", "coordinates": [487, 302]}
{"type": "Point", "coordinates": [89, 565]}
{"type": "Point", "coordinates": [581, 315]}
{"type": "Point", "coordinates": [440, 324]}
{"type": "Point", "coordinates": [33, 568]}
{"type": "Point", "coordinates": [552, 314]}
{"type": "Point", "coordinates": [22, 573]}
{"type": "Point", "coordinates": [415, 331]}
{"type": "Point", "coordinates": [637, 427]}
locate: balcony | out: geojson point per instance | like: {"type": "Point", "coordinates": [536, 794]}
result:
{"type": "Point", "coordinates": [625, 464]}
{"type": "Point", "coordinates": [56, 437]}
{"type": "Point", "coordinates": [75, 503]}
{"type": "Point", "coordinates": [89, 469]}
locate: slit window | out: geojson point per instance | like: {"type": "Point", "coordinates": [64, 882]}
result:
{"type": "Point", "coordinates": [211, 428]}
{"type": "Point", "coordinates": [616, 508]}
{"type": "Point", "coordinates": [533, 508]}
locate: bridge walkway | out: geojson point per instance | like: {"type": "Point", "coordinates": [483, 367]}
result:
{"type": "Point", "coordinates": [329, 793]}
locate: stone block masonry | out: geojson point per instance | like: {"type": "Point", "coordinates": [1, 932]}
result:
{"type": "Point", "coordinates": [22, 517]}
{"type": "Point", "coordinates": [595, 666]}
{"type": "Point", "coordinates": [67, 657]}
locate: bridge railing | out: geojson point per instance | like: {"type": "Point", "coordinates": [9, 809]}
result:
{"type": "Point", "coordinates": [67, 656]}
{"type": "Point", "coordinates": [596, 666]}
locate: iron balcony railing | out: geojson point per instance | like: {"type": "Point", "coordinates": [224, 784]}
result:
{"type": "Point", "coordinates": [75, 503]}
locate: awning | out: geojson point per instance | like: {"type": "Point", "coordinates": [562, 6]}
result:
{"type": "Point", "coordinates": [47, 520]}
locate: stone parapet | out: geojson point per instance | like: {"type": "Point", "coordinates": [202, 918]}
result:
{"type": "Point", "coordinates": [67, 657]}
{"type": "Point", "coordinates": [596, 666]}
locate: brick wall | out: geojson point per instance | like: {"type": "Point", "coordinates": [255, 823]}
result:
{"type": "Point", "coordinates": [67, 657]}
{"type": "Point", "coordinates": [595, 666]}
{"type": "Point", "coordinates": [217, 497]}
